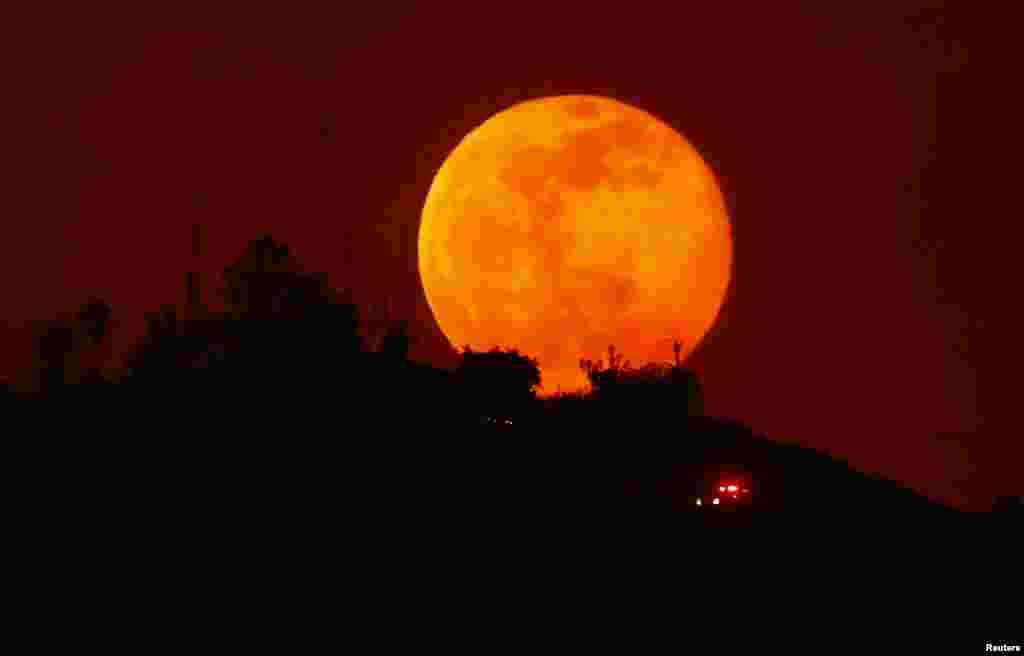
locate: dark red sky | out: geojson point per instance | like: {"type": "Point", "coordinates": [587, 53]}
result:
{"type": "Point", "coordinates": [860, 320]}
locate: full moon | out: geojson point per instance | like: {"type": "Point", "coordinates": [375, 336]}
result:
{"type": "Point", "coordinates": [566, 224]}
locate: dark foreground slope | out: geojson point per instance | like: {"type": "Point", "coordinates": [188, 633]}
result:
{"type": "Point", "coordinates": [228, 507]}
{"type": "Point", "coordinates": [321, 461]}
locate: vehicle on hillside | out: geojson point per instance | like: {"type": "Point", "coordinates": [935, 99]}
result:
{"type": "Point", "coordinates": [727, 493]}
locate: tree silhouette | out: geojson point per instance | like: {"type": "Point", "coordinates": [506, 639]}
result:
{"type": "Point", "coordinates": [283, 331]}
{"type": "Point", "coordinates": [284, 314]}
{"type": "Point", "coordinates": [95, 315]}
{"type": "Point", "coordinates": [497, 382]}
{"type": "Point", "coordinates": [158, 357]}
{"type": "Point", "coordinates": [67, 346]}
{"type": "Point", "coordinates": [94, 321]}
{"type": "Point", "coordinates": [258, 282]}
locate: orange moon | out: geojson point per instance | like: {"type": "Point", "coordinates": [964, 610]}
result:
{"type": "Point", "coordinates": [566, 224]}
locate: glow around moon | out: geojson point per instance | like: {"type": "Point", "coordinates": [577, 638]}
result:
{"type": "Point", "coordinates": [565, 224]}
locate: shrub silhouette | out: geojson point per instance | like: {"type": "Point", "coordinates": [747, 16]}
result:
{"type": "Point", "coordinates": [654, 384]}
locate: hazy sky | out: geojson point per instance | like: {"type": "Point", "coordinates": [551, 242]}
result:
{"type": "Point", "coordinates": [860, 319]}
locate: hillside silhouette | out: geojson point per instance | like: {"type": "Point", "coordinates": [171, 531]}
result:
{"type": "Point", "coordinates": [286, 404]}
